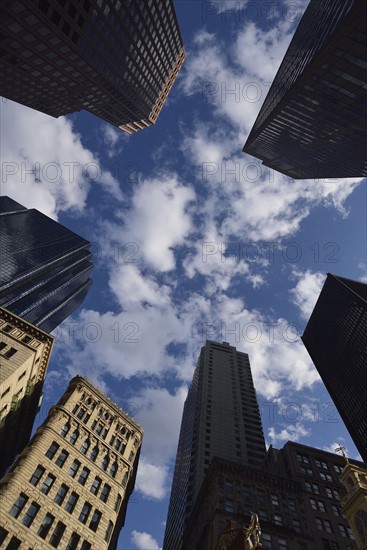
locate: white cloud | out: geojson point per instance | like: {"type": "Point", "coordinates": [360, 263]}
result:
{"type": "Point", "coordinates": [144, 541]}
{"type": "Point", "coordinates": [151, 480]}
{"type": "Point", "coordinates": [307, 290]}
{"type": "Point", "coordinates": [290, 432]}
{"type": "Point", "coordinates": [113, 139]}
{"type": "Point", "coordinates": [44, 163]}
{"type": "Point", "coordinates": [332, 446]}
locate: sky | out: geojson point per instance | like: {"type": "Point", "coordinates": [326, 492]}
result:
{"type": "Point", "coordinates": [192, 239]}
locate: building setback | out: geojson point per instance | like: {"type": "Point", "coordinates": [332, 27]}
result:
{"type": "Point", "coordinates": [70, 486]}
{"type": "Point", "coordinates": [313, 121]}
{"type": "Point", "coordinates": [221, 419]}
{"type": "Point", "coordinates": [24, 356]}
{"type": "Point", "coordinates": [44, 267]}
{"type": "Point", "coordinates": [336, 339]}
{"type": "Point", "coordinates": [117, 59]}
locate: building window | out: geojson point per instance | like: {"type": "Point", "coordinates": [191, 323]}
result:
{"type": "Point", "coordinates": [94, 454]}
{"type": "Point", "coordinates": [105, 463]}
{"type": "Point", "coordinates": [74, 468]}
{"type": "Point", "coordinates": [8, 354]}
{"type": "Point", "coordinates": [74, 436]}
{"type": "Point", "coordinates": [73, 542]}
{"type": "Point", "coordinates": [57, 534]}
{"type": "Point", "coordinates": [117, 503]}
{"type": "Point", "coordinates": [124, 479]}
{"type": "Point", "coordinates": [14, 544]}
{"type": "Point", "coordinates": [266, 540]}
{"type": "Point", "coordinates": [96, 485]}
{"type": "Point", "coordinates": [84, 514]}
{"type": "Point", "coordinates": [64, 430]}
{"type": "Point", "coordinates": [84, 448]}
{"type": "Point", "coordinates": [60, 461]}
{"type": "Point", "coordinates": [296, 525]}
{"type": "Point", "coordinates": [3, 534]}
{"type": "Point", "coordinates": [274, 500]}
{"type": "Point", "coordinates": [303, 458]}
{"type": "Point", "coordinates": [47, 484]}
{"type": "Point", "coordinates": [336, 510]}
{"type": "Point", "coordinates": [38, 473]}
{"type": "Point", "coordinates": [81, 413]}
{"type": "Point", "coordinates": [45, 526]}
{"type": "Point", "coordinates": [83, 476]}
{"type": "Point", "coordinates": [61, 493]}
{"type": "Point", "coordinates": [108, 531]}
{"type": "Point", "coordinates": [330, 545]}
{"type": "Point", "coordinates": [278, 519]}
{"type": "Point", "coordinates": [18, 505]}
{"type": "Point", "coordinates": [317, 505]}
{"type": "Point", "coordinates": [30, 514]}
{"type": "Point", "coordinates": [86, 545]}
{"type": "Point", "coordinates": [228, 506]}
{"type": "Point", "coordinates": [324, 525]}
{"type": "Point", "coordinates": [50, 453]}
{"type": "Point", "coordinates": [292, 505]}
{"type": "Point", "coordinates": [332, 493]}
{"type": "Point", "coordinates": [326, 477]}
{"type": "Point", "coordinates": [113, 469]}
{"type": "Point", "coordinates": [105, 492]}
{"type": "Point", "coordinates": [71, 503]}
{"type": "Point", "coordinates": [312, 487]}
{"type": "Point", "coordinates": [321, 464]}
{"type": "Point", "coordinates": [282, 543]}
{"type": "Point", "coordinates": [96, 518]}
{"type": "Point", "coordinates": [305, 470]}
{"type": "Point", "coordinates": [346, 532]}
{"type": "Point", "coordinates": [338, 468]}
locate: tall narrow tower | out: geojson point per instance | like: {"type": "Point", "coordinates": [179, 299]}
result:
{"type": "Point", "coordinates": [221, 419]}
{"type": "Point", "coordinates": [71, 484]}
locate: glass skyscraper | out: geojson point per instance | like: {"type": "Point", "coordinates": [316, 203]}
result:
{"type": "Point", "coordinates": [117, 59]}
{"type": "Point", "coordinates": [336, 339]}
{"type": "Point", "coordinates": [221, 418]}
{"type": "Point", "coordinates": [313, 121]}
{"type": "Point", "coordinates": [44, 267]}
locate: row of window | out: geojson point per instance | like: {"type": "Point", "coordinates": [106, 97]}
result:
{"type": "Point", "coordinates": [315, 488]}
{"type": "Point", "coordinates": [325, 525]}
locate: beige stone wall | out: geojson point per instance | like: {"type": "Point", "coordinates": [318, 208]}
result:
{"type": "Point", "coordinates": [83, 408]}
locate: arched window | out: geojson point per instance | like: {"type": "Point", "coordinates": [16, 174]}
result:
{"type": "Point", "coordinates": [105, 463]}
{"type": "Point", "coordinates": [118, 502]}
{"type": "Point", "coordinates": [84, 448]}
{"type": "Point", "coordinates": [108, 531]}
{"type": "Point", "coordinates": [113, 469]}
{"type": "Point", "coordinates": [74, 436]}
{"type": "Point", "coordinates": [94, 454]}
{"type": "Point", "coordinates": [64, 430]}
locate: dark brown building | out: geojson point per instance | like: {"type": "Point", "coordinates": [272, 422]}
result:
{"type": "Point", "coordinates": [117, 59]}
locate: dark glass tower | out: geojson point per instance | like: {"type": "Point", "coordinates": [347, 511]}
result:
{"type": "Point", "coordinates": [44, 267]}
{"type": "Point", "coordinates": [117, 59]}
{"type": "Point", "coordinates": [336, 339]}
{"type": "Point", "coordinates": [313, 120]}
{"type": "Point", "coordinates": [221, 419]}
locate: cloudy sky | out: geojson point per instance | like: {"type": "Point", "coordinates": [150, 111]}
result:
{"type": "Point", "coordinates": [192, 239]}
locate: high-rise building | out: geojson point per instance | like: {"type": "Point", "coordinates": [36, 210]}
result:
{"type": "Point", "coordinates": [117, 59]}
{"type": "Point", "coordinates": [221, 419]}
{"type": "Point", "coordinates": [24, 356]}
{"type": "Point", "coordinates": [44, 267]}
{"type": "Point", "coordinates": [336, 339]}
{"type": "Point", "coordinates": [70, 486]}
{"type": "Point", "coordinates": [296, 494]}
{"type": "Point", "coordinates": [314, 118]}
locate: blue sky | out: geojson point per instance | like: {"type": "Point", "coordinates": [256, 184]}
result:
{"type": "Point", "coordinates": [192, 239]}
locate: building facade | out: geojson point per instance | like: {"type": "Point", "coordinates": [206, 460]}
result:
{"type": "Point", "coordinates": [354, 502]}
{"type": "Point", "coordinates": [221, 419]}
{"type": "Point", "coordinates": [24, 356]}
{"type": "Point", "coordinates": [312, 122]}
{"type": "Point", "coordinates": [44, 267]}
{"type": "Point", "coordinates": [70, 486]}
{"type": "Point", "coordinates": [336, 339]}
{"type": "Point", "coordinates": [117, 59]}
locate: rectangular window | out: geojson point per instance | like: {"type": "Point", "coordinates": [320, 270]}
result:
{"type": "Point", "coordinates": [30, 514]}
{"type": "Point", "coordinates": [296, 525]}
{"type": "Point", "coordinates": [96, 518]}
{"type": "Point", "coordinates": [86, 545]}
{"type": "Point", "coordinates": [282, 543]}
{"type": "Point", "coordinates": [47, 484]}
{"type": "Point", "coordinates": [60, 461]}
{"type": "Point", "coordinates": [266, 540]}
{"type": "Point", "coordinates": [84, 514]}
{"type": "Point", "coordinates": [105, 492]}
{"type": "Point", "coordinates": [71, 503]}
{"type": "Point", "coordinates": [14, 544]}
{"type": "Point", "coordinates": [52, 450]}
{"type": "Point", "coordinates": [8, 354]}
{"type": "Point", "coordinates": [278, 519]}
{"type": "Point", "coordinates": [57, 534]}
{"type": "Point", "coordinates": [3, 534]}
{"type": "Point", "coordinates": [292, 505]}
{"type": "Point", "coordinates": [38, 473]}
{"type": "Point", "coordinates": [274, 500]}
{"type": "Point", "coordinates": [96, 485]}
{"type": "Point", "coordinates": [18, 505]}
{"type": "Point", "coordinates": [73, 542]}
{"type": "Point", "coordinates": [83, 476]}
{"type": "Point", "coordinates": [45, 526]}
{"type": "Point", "coordinates": [74, 468]}
{"type": "Point", "coordinates": [61, 493]}
{"type": "Point", "coordinates": [326, 477]}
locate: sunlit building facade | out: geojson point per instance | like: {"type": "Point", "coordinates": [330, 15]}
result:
{"type": "Point", "coordinates": [71, 485]}
{"type": "Point", "coordinates": [117, 59]}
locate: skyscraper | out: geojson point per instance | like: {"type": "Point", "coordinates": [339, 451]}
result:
{"type": "Point", "coordinates": [24, 356]}
{"type": "Point", "coordinates": [44, 267]}
{"type": "Point", "coordinates": [313, 120]}
{"type": "Point", "coordinates": [336, 339]}
{"type": "Point", "coordinates": [117, 59]}
{"type": "Point", "coordinates": [70, 487]}
{"type": "Point", "coordinates": [221, 419]}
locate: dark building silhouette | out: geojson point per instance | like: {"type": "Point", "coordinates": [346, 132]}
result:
{"type": "Point", "coordinates": [117, 59]}
{"type": "Point", "coordinates": [336, 339]}
{"type": "Point", "coordinates": [313, 121]}
{"type": "Point", "coordinates": [44, 267]}
{"type": "Point", "coordinates": [221, 419]}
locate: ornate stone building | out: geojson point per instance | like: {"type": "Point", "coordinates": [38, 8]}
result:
{"type": "Point", "coordinates": [354, 502]}
{"type": "Point", "coordinates": [70, 486]}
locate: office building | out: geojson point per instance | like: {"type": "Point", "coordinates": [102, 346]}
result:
{"type": "Point", "coordinates": [24, 356]}
{"type": "Point", "coordinates": [70, 486]}
{"type": "Point", "coordinates": [117, 59]}
{"type": "Point", "coordinates": [221, 419]}
{"type": "Point", "coordinates": [44, 267]}
{"type": "Point", "coordinates": [313, 120]}
{"type": "Point", "coordinates": [336, 339]}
